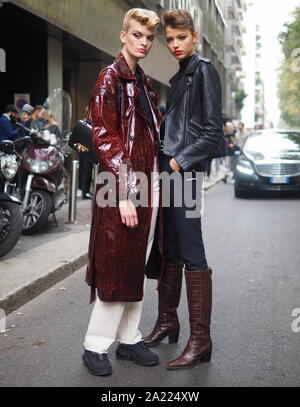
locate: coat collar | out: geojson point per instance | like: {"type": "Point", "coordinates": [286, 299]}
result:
{"type": "Point", "coordinates": [187, 66]}
{"type": "Point", "coordinates": [123, 69]}
{"type": "Point", "coordinates": [124, 72]}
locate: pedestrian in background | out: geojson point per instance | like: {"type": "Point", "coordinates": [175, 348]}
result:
{"type": "Point", "coordinates": [24, 116]}
{"type": "Point", "coordinates": [229, 134]}
{"type": "Point", "coordinates": [85, 176]}
{"type": "Point", "coordinates": [36, 121]}
{"type": "Point", "coordinates": [7, 129]}
{"type": "Point", "coordinates": [51, 124]}
{"type": "Point", "coordinates": [85, 173]}
{"type": "Point", "coordinates": [191, 133]}
{"type": "Point", "coordinates": [241, 135]}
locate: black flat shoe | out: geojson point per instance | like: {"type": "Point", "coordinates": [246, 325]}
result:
{"type": "Point", "coordinates": [98, 364]}
{"type": "Point", "coordinates": [139, 353]}
{"type": "Point", "coordinates": [87, 196]}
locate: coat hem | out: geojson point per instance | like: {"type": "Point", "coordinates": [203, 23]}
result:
{"type": "Point", "coordinates": [120, 299]}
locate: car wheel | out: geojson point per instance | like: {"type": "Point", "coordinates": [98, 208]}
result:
{"type": "Point", "coordinates": [238, 193]}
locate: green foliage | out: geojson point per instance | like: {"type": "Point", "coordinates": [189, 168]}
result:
{"type": "Point", "coordinates": [289, 38]}
{"type": "Point", "coordinates": [289, 78]}
{"type": "Point", "coordinates": [240, 96]}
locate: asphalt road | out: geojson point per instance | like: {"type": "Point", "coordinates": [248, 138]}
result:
{"type": "Point", "coordinates": [253, 248]}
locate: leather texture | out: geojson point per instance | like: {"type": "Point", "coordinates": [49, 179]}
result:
{"type": "Point", "coordinates": [193, 129]}
{"type": "Point", "coordinates": [199, 295]}
{"type": "Point", "coordinates": [121, 135]}
{"type": "Point", "coordinates": [169, 292]}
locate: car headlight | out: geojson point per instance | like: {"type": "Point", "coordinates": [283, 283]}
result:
{"type": "Point", "coordinates": [9, 166]}
{"type": "Point", "coordinates": [245, 167]}
{"type": "Point", "coordinates": [39, 166]}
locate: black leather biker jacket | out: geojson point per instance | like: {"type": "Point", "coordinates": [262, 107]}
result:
{"type": "Point", "coordinates": [192, 130]}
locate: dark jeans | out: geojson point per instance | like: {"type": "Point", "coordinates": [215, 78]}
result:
{"type": "Point", "coordinates": [207, 166]}
{"type": "Point", "coordinates": [85, 174]}
{"type": "Point", "coordinates": [182, 235]}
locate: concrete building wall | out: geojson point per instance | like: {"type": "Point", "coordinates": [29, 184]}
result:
{"type": "Point", "coordinates": [248, 112]}
{"type": "Point", "coordinates": [88, 72]}
{"type": "Point", "coordinates": [233, 51]}
{"type": "Point", "coordinates": [98, 23]}
{"type": "Point", "coordinates": [55, 62]}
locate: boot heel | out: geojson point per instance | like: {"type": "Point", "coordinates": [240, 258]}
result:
{"type": "Point", "coordinates": [173, 337]}
{"type": "Point", "coordinates": [206, 357]}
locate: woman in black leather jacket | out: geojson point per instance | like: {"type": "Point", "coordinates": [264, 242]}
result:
{"type": "Point", "coordinates": [191, 133]}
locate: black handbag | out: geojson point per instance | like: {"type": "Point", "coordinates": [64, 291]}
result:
{"type": "Point", "coordinates": [82, 136]}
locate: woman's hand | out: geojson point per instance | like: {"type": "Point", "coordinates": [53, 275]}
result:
{"type": "Point", "coordinates": [128, 213]}
{"type": "Point", "coordinates": [174, 165]}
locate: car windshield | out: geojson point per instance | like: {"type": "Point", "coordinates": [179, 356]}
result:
{"type": "Point", "coordinates": [273, 145]}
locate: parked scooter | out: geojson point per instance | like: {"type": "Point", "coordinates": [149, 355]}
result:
{"type": "Point", "coordinates": [11, 218]}
{"type": "Point", "coordinates": [40, 174]}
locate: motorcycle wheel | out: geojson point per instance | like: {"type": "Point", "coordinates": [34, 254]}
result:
{"type": "Point", "coordinates": [37, 213]}
{"type": "Point", "coordinates": [11, 225]}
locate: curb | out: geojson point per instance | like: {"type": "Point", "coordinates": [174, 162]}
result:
{"type": "Point", "coordinates": [214, 182]}
{"type": "Point", "coordinates": [20, 297]}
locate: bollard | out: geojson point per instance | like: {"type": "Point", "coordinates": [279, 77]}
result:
{"type": "Point", "coordinates": [73, 191]}
{"type": "Point", "coordinates": [2, 321]}
{"type": "Point", "coordinates": [94, 178]}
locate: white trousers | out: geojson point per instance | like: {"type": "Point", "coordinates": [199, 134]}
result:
{"type": "Point", "coordinates": [111, 321]}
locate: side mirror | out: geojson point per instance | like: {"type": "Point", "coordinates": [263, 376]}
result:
{"type": "Point", "coordinates": [7, 146]}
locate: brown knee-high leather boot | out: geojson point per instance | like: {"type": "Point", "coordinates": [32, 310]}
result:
{"type": "Point", "coordinates": [169, 291]}
{"type": "Point", "coordinates": [199, 295]}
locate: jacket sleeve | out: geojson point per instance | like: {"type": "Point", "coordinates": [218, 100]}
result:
{"type": "Point", "coordinates": [205, 128]}
{"type": "Point", "coordinates": [107, 140]}
{"type": "Point", "coordinates": [6, 129]}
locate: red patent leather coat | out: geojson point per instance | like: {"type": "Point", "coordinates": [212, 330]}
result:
{"type": "Point", "coordinates": [121, 135]}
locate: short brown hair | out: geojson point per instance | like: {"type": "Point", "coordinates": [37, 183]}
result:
{"type": "Point", "coordinates": [143, 16]}
{"type": "Point", "coordinates": [179, 19]}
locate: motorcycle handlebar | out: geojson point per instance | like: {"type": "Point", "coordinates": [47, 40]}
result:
{"type": "Point", "coordinates": [36, 134]}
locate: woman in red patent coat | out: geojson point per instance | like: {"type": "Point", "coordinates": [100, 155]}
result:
{"type": "Point", "coordinates": [125, 120]}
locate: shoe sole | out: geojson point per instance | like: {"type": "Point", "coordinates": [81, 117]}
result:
{"type": "Point", "coordinates": [152, 345]}
{"type": "Point", "coordinates": [129, 358]}
{"type": "Point", "coordinates": [203, 359]}
{"type": "Point", "coordinates": [172, 340]}
{"type": "Point", "coordinates": [92, 372]}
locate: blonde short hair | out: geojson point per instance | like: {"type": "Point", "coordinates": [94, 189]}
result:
{"type": "Point", "coordinates": [143, 16]}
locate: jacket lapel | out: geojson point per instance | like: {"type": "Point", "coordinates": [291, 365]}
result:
{"type": "Point", "coordinates": [178, 91]}
{"type": "Point", "coordinates": [150, 96]}
{"type": "Point", "coordinates": [180, 85]}
{"type": "Point", "coordinates": [124, 72]}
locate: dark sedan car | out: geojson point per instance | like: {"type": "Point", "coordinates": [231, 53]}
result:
{"type": "Point", "coordinates": [269, 161]}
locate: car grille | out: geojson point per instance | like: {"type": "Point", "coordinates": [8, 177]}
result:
{"type": "Point", "coordinates": [271, 170]}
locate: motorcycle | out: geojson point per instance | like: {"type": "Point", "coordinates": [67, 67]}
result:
{"type": "Point", "coordinates": [40, 175]}
{"type": "Point", "coordinates": [11, 217]}
{"type": "Point", "coordinates": [42, 158]}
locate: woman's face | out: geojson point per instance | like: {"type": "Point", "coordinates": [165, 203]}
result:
{"type": "Point", "coordinates": [138, 40]}
{"type": "Point", "coordinates": [181, 42]}
{"type": "Point", "coordinates": [24, 117]}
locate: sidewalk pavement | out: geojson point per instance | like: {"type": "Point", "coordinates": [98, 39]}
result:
{"type": "Point", "coordinates": [38, 262]}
